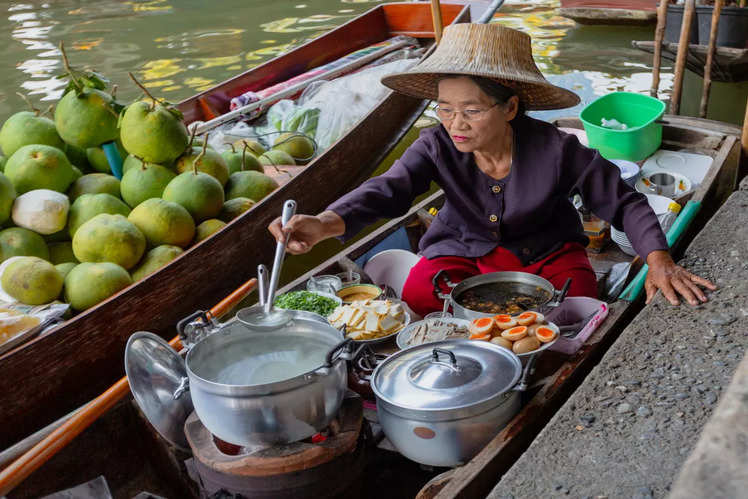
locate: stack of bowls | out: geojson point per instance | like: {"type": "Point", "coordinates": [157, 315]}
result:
{"type": "Point", "coordinates": [659, 205]}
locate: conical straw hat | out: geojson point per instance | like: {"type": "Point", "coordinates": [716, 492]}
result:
{"type": "Point", "coordinates": [490, 50]}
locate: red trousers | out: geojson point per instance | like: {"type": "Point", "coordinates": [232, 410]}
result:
{"type": "Point", "coordinates": [569, 261]}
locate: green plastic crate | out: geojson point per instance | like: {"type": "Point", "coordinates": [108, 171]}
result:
{"type": "Point", "coordinates": [639, 112]}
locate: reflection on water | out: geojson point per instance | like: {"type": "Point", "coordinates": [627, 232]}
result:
{"type": "Point", "coordinates": [182, 47]}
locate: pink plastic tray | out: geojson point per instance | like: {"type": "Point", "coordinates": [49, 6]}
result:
{"type": "Point", "coordinates": [572, 310]}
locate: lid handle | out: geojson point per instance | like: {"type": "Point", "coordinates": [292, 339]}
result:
{"type": "Point", "coordinates": [452, 359]}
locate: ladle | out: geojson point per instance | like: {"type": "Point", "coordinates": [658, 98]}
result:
{"type": "Point", "coordinates": [262, 284]}
{"type": "Point", "coordinates": [266, 316]}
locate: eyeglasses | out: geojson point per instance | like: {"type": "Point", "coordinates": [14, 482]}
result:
{"type": "Point", "coordinates": [448, 114]}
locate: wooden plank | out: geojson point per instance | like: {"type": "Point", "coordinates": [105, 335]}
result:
{"type": "Point", "coordinates": [730, 64]}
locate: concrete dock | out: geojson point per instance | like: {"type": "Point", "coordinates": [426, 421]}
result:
{"type": "Point", "coordinates": [627, 431]}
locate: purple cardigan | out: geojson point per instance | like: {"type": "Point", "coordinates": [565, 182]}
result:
{"type": "Point", "coordinates": [528, 212]}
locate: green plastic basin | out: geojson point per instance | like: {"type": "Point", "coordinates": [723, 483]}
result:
{"type": "Point", "coordinates": [639, 112]}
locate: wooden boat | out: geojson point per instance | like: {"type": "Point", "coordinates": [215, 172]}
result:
{"type": "Point", "coordinates": [729, 65]}
{"type": "Point", "coordinates": [556, 377]}
{"type": "Point", "coordinates": [640, 12]}
{"type": "Point", "coordinates": [52, 375]}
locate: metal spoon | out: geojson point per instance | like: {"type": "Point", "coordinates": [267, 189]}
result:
{"type": "Point", "coordinates": [289, 209]}
{"type": "Point", "coordinates": [262, 283]}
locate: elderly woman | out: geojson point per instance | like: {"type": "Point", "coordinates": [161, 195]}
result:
{"type": "Point", "coordinates": [507, 179]}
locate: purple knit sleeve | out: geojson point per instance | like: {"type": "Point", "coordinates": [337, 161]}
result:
{"type": "Point", "coordinates": [391, 194]}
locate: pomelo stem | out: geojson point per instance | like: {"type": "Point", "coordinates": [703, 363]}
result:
{"type": "Point", "coordinates": [192, 138]}
{"type": "Point", "coordinates": [28, 102]}
{"type": "Point", "coordinates": [244, 155]}
{"type": "Point", "coordinates": [201, 155]}
{"type": "Point", "coordinates": [233, 149]}
{"type": "Point", "coordinates": [66, 63]}
{"type": "Point", "coordinates": [145, 91]}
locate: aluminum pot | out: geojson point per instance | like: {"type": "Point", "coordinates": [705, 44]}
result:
{"type": "Point", "coordinates": [248, 387]}
{"type": "Point", "coordinates": [441, 403]}
{"type": "Point", "coordinates": [521, 282]}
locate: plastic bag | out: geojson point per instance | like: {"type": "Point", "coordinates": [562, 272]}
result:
{"type": "Point", "coordinates": [344, 101]}
{"type": "Point", "coordinates": [20, 323]}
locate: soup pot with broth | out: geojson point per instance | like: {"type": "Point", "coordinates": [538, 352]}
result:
{"type": "Point", "coordinates": [251, 387]}
{"type": "Point", "coordinates": [495, 293]}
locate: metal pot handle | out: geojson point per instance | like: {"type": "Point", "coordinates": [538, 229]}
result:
{"type": "Point", "coordinates": [559, 296]}
{"type": "Point", "coordinates": [437, 288]}
{"type": "Point", "coordinates": [191, 335]}
{"type": "Point", "coordinates": [452, 359]}
{"type": "Point", "coordinates": [521, 386]}
{"type": "Point", "coordinates": [184, 386]}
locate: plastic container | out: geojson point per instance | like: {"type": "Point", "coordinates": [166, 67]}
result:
{"type": "Point", "coordinates": [673, 22]}
{"type": "Point", "coordinates": [639, 112]}
{"type": "Point", "coordinates": [572, 310]}
{"type": "Point", "coordinates": [733, 26]}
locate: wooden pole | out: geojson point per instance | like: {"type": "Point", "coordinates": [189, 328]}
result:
{"type": "Point", "coordinates": [680, 59]}
{"type": "Point", "coordinates": [40, 453]}
{"type": "Point", "coordinates": [659, 35]}
{"type": "Point", "coordinates": [710, 58]}
{"type": "Point", "coordinates": [436, 16]}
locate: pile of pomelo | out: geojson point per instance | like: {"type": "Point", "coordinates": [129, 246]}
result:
{"type": "Point", "coordinates": [70, 230]}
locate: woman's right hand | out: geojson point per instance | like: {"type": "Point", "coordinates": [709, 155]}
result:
{"type": "Point", "coordinates": [305, 231]}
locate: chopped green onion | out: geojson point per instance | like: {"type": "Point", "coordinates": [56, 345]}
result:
{"type": "Point", "coordinates": [308, 301]}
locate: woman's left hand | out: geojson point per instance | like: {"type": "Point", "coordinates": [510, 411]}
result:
{"type": "Point", "coordinates": [664, 274]}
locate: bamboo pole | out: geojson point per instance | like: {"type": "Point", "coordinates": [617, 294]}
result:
{"type": "Point", "coordinates": [710, 57]}
{"type": "Point", "coordinates": [680, 60]}
{"type": "Point", "coordinates": [436, 16]}
{"type": "Point", "coordinates": [40, 453]}
{"type": "Point", "coordinates": [659, 35]}
{"type": "Point", "coordinates": [744, 138]}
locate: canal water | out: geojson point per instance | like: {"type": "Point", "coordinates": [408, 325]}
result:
{"type": "Point", "coordinates": [180, 47]}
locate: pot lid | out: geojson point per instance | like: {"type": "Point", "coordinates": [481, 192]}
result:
{"type": "Point", "coordinates": [451, 374]}
{"type": "Point", "coordinates": [155, 372]}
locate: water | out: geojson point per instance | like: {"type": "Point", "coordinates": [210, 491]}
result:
{"type": "Point", "coordinates": [182, 47]}
{"type": "Point", "coordinates": [267, 360]}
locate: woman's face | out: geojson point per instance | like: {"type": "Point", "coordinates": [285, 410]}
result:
{"type": "Point", "coordinates": [490, 120]}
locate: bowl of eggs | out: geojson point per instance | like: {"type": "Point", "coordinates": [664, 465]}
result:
{"type": "Point", "coordinates": [525, 334]}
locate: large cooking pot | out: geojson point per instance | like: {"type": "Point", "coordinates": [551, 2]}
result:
{"type": "Point", "coordinates": [513, 282]}
{"type": "Point", "coordinates": [248, 387]}
{"type": "Point", "coordinates": [441, 403]}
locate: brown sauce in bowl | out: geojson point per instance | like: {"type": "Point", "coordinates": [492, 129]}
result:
{"type": "Point", "coordinates": [503, 298]}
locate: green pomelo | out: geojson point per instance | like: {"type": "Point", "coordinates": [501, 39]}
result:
{"type": "Point", "coordinates": [140, 183]}
{"type": "Point", "coordinates": [235, 207]}
{"type": "Point", "coordinates": [250, 184]}
{"type": "Point", "coordinates": [32, 281]}
{"type": "Point", "coordinates": [239, 161]}
{"type": "Point", "coordinates": [65, 268]}
{"type": "Point", "coordinates": [90, 283]}
{"type": "Point", "coordinates": [7, 196]}
{"type": "Point", "coordinates": [153, 133]}
{"type": "Point", "coordinates": [86, 120]}
{"type": "Point", "coordinates": [132, 161]}
{"type": "Point", "coordinates": [98, 160]}
{"type": "Point", "coordinates": [62, 253]}
{"type": "Point", "coordinates": [3, 160]}
{"type": "Point", "coordinates": [77, 173]}
{"type": "Point", "coordinates": [212, 163]}
{"type": "Point", "coordinates": [201, 194]}
{"type": "Point", "coordinates": [18, 241]}
{"type": "Point", "coordinates": [39, 167]}
{"type": "Point", "coordinates": [253, 146]}
{"type": "Point", "coordinates": [87, 206]}
{"type": "Point", "coordinates": [276, 157]}
{"type": "Point", "coordinates": [163, 222]}
{"type": "Point", "coordinates": [298, 146]}
{"type": "Point", "coordinates": [155, 259]}
{"type": "Point", "coordinates": [26, 128]}
{"type": "Point", "coordinates": [208, 228]}
{"type": "Point", "coordinates": [77, 156]}
{"type": "Point", "coordinates": [94, 183]}
{"type": "Point", "coordinates": [109, 238]}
